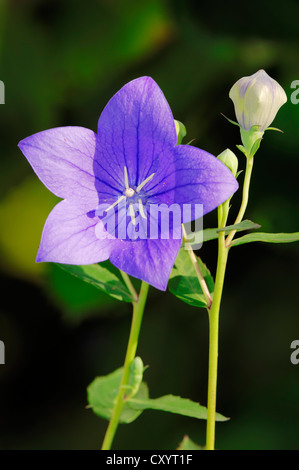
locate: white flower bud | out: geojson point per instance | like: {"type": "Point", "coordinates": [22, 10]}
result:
{"type": "Point", "coordinates": [257, 100]}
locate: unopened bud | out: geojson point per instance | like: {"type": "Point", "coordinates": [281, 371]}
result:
{"type": "Point", "coordinates": [180, 131]}
{"type": "Point", "coordinates": [257, 99]}
{"type": "Point", "coordinates": [230, 160]}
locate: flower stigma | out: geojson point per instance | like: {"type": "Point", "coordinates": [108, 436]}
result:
{"type": "Point", "coordinates": [130, 193]}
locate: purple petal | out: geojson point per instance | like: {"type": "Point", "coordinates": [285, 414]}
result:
{"type": "Point", "coordinates": [148, 260]}
{"type": "Point", "coordinates": [200, 179]}
{"type": "Point", "coordinates": [136, 130]}
{"type": "Point", "coordinates": [63, 160]}
{"type": "Point", "coordinates": [71, 236]}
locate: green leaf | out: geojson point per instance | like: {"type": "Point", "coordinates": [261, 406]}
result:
{"type": "Point", "coordinates": [188, 444]}
{"type": "Point", "coordinates": [212, 233]}
{"type": "Point", "coordinates": [267, 237]}
{"type": "Point", "coordinates": [102, 393]}
{"type": "Point", "coordinates": [76, 300]}
{"type": "Point", "coordinates": [244, 225]}
{"type": "Point", "coordinates": [183, 282]}
{"type": "Point", "coordinates": [104, 276]}
{"type": "Point", "coordinates": [173, 404]}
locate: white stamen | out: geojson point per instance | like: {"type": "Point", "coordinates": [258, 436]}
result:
{"type": "Point", "coordinates": [141, 210]}
{"type": "Point", "coordinates": [115, 203]}
{"type": "Point", "coordinates": [144, 182]}
{"type": "Point", "coordinates": [126, 178]}
{"type": "Point", "coordinates": [132, 213]}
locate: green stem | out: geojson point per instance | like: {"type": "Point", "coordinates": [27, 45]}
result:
{"type": "Point", "coordinates": [223, 249]}
{"type": "Point", "coordinates": [213, 335]}
{"type": "Point", "coordinates": [129, 285]}
{"type": "Point", "coordinates": [138, 308]}
{"type": "Point", "coordinates": [247, 177]}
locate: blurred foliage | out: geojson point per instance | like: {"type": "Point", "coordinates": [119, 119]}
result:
{"type": "Point", "coordinates": [61, 61]}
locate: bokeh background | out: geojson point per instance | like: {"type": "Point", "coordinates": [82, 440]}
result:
{"type": "Point", "coordinates": [61, 61]}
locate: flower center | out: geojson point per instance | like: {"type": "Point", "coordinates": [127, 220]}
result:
{"type": "Point", "coordinates": [135, 197]}
{"type": "Point", "coordinates": [129, 192]}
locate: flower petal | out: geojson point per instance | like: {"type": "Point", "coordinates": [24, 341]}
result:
{"type": "Point", "coordinates": [63, 160]}
{"type": "Point", "coordinates": [135, 130]}
{"type": "Point", "coordinates": [200, 179]}
{"type": "Point", "coordinates": [148, 260]}
{"type": "Point", "coordinates": [71, 236]}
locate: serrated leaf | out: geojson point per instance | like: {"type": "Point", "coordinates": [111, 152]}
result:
{"type": "Point", "coordinates": [267, 238]}
{"type": "Point", "coordinates": [183, 282]}
{"type": "Point", "coordinates": [212, 233]}
{"type": "Point", "coordinates": [102, 393]}
{"type": "Point", "coordinates": [104, 276]}
{"type": "Point", "coordinates": [173, 404]}
{"type": "Point", "coordinates": [188, 444]}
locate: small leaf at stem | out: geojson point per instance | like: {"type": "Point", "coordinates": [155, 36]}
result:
{"type": "Point", "coordinates": [212, 233]}
{"type": "Point", "coordinates": [267, 238]}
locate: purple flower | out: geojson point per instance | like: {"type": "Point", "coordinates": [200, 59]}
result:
{"type": "Point", "coordinates": [129, 167]}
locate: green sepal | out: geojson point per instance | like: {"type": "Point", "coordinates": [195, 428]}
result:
{"type": "Point", "coordinates": [242, 149]}
{"type": "Point", "coordinates": [273, 129]}
{"type": "Point", "coordinates": [230, 120]}
{"type": "Point", "coordinates": [251, 140]}
{"type": "Point", "coordinates": [255, 147]}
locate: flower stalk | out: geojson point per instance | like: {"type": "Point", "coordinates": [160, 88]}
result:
{"type": "Point", "coordinates": [223, 249]}
{"type": "Point", "coordinates": [214, 333]}
{"type": "Point", "coordinates": [246, 184]}
{"type": "Point", "coordinates": [138, 309]}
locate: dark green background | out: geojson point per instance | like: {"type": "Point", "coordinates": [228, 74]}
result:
{"type": "Point", "coordinates": [61, 61]}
